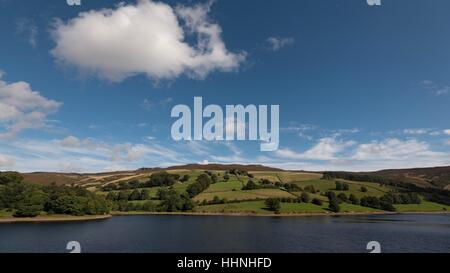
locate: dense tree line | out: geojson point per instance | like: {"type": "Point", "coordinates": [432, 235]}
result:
{"type": "Point", "coordinates": [376, 203]}
{"type": "Point", "coordinates": [266, 184]}
{"type": "Point", "coordinates": [342, 186]}
{"type": "Point", "coordinates": [310, 189]}
{"type": "Point", "coordinates": [158, 179]}
{"type": "Point", "coordinates": [357, 177]}
{"type": "Point", "coordinates": [202, 182]}
{"type": "Point", "coordinates": [126, 206]}
{"type": "Point", "coordinates": [238, 172]}
{"type": "Point", "coordinates": [129, 195]}
{"type": "Point", "coordinates": [226, 177]}
{"type": "Point", "coordinates": [273, 204]}
{"type": "Point", "coordinates": [251, 186]}
{"type": "Point", "coordinates": [291, 187]}
{"type": "Point", "coordinates": [170, 200]}
{"type": "Point", "coordinates": [333, 202]}
{"type": "Point", "coordinates": [317, 201]}
{"type": "Point", "coordinates": [401, 198]}
{"type": "Point", "coordinates": [436, 195]}
{"type": "Point", "coordinates": [29, 200]}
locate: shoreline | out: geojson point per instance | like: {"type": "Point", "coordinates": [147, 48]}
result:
{"type": "Point", "coordinates": [57, 218]}
{"type": "Point", "coordinates": [270, 215]}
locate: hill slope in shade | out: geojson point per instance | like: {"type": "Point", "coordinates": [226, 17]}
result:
{"type": "Point", "coordinates": [431, 177]}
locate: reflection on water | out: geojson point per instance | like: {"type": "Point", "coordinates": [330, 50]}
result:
{"type": "Point", "coordinates": [396, 233]}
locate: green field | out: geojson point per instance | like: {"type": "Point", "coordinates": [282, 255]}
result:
{"type": "Point", "coordinates": [243, 195]}
{"type": "Point", "coordinates": [258, 207]}
{"type": "Point", "coordinates": [324, 186]}
{"type": "Point", "coordinates": [243, 201]}
{"type": "Point", "coordinates": [286, 177]}
{"type": "Point", "coordinates": [424, 207]}
{"type": "Point", "coordinates": [231, 185]}
{"type": "Point", "coordinates": [5, 213]}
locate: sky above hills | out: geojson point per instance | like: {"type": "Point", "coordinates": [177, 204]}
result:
{"type": "Point", "coordinates": [90, 88]}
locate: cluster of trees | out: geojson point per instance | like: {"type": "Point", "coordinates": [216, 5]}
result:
{"type": "Point", "coordinates": [386, 202]}
{"type": "Point", "coordinates": [402, 198]}
{"type": "Point", "coordinates": [134, 195]}
{"type": "Point", "coordinates": [342, 186]}
{"type": "Point", "coordinates": [202, 182]}
{"type": "Point", "coordinates": [333, 202]}
{"type": "Point", "coordinates": [158, 179]}
{"type": "Point", "coordinates": [215, 201]}
{"type": "Point", "coordinates": [251, 186]}
{"type": "Point", "coordinates": [214, 177]}
{"type": "Point", "coordinates": [343, 198]}
{"type": "Point", "coordinates": [162, 179]}
{"type": "Point", "coordinates": [310, 189]}
{"type": "Point", "coordinates": [172, 201]}
{"type": "Point", "coordinates": [226, 177]}
{"type": "Point", "coordinates": [436, 195]}
{"type": "Point", "coordinates": [123, 185]}
{"type": "Point", "coordinates": [185, 178]}
{"type": "Point", "coordinates": [376, 203]}
{"type": "Point", "coordinates": [124, 205]}
{"type": "Point", "coordinates": [291, 187]}
{"type": "Point", "coordinates": [240, 172]}
{"type": "Point", "coordinates": [29, 200]}
{"type": "Point", "coordinates": [273, 204]}
{"type": "Point", "coordinates": [357, 177]}
{"type": "Point", "coordinates": [266, 184]}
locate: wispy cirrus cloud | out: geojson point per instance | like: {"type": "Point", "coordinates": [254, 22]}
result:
{"type": "Point", "coordinates": [277, 43]}
{"type": "Point", "coordinates": [84, 155]}
{"type": "Point", "coordinates": [375, 155]}
{"type": "Point", "coordinates": [326, 149]}
{"type": "Point", "coordinates": [435, 88]}
{"type": "Point", "coordinates": [148, 105]}
{"type": "Point", "coordinates": [6, 161]}
{"type": "Point", "coordinates": [27, 28]}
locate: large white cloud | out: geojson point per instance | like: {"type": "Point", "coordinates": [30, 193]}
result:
{"type": "Point", "coordinates": [147, 37]}
{"type": "Point", "coordinates": [22, 108]}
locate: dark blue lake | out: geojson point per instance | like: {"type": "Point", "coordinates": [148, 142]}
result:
{"type": "Point", "coordinates": [395, 233]}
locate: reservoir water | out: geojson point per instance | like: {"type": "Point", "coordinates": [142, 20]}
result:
{"type": "Point", "coordinates": [395, 233]}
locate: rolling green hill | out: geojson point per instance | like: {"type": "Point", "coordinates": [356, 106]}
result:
{"type": "Point", "coordinates": [254, 189]}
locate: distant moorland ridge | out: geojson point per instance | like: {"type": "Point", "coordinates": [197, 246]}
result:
{"type": "Point", "coordinates": [435, 177]}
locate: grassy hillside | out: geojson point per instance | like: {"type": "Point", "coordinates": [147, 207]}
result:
{"type": "Point", "coordinates": [245, 189]}
{"type": "Point", "coordinates": [229, 196]}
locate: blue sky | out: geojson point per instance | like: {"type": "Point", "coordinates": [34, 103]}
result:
{"type": "Point", "coordinates": [88, 88]}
